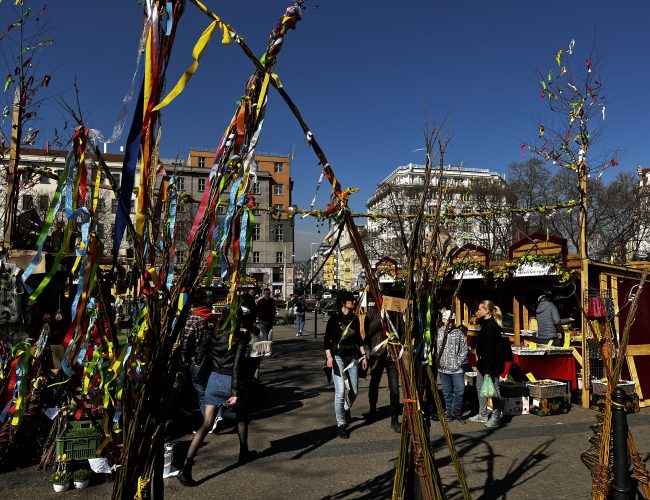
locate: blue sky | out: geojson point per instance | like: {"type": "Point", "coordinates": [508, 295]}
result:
{"type": "Point", "coordinates": [364, 75]}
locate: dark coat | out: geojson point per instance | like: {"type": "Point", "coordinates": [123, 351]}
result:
{"type": "Point", "coordinates": [489, 352]}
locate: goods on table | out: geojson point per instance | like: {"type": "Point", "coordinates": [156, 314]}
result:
{"type": "Point", "coordinates": [600, 386]}
{"type": "Point", "coordinates": [547, 389]}
{"type": "Point", "coordinates": [631, 403]}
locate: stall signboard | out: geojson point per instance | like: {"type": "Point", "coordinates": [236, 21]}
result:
{"type": "Point", "coordinates": [468, 274]}
{"type": "Point", "coordinates": [534, 269]}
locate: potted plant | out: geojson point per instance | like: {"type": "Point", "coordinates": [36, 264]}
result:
{"type": "Point", "coordinates": [61, 480]}
{"type": "Point", "coordinates": [81, 478]}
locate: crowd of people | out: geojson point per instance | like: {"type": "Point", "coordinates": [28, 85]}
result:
{"type": "Point", "coordinates": [221, 350]}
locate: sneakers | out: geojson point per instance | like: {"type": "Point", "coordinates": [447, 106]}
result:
{"type": "Point", "coordinates": [493, 423]}
{"type": "Point", "coordinates": [348, 417]}
{"type": "Point", "coordinates": [460, 419]}
{"type": "Point", "coordinates": [217, 424]}
{"type": "Point", "coordinates": [481, 419]}
{"type": "Point", "coordinates": [343, 432]}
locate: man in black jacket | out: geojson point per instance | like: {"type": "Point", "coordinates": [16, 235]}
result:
{"type": "Point", "coordinates": [380, 361]}
{"type": "Point", "coordinates": [266, 314]}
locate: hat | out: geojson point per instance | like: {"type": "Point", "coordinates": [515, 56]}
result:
{"type": "Point", "coordinates": [345, 296]}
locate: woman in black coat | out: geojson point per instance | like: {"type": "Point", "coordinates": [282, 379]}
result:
{"type": "Point", "coordinates": [490, 362]}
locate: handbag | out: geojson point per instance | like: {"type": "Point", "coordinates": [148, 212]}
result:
{"type": "Point", "coordinates": [487, 389]}
{"type": "Point", "coordinates": [203, 373]}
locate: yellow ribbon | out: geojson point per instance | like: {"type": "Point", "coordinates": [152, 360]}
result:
{"type": "Point", "coordinates": [225, 28]}
{"type": "Point", "coordinates": [197, 53]}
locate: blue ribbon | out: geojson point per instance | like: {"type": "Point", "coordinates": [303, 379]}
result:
{"type": "Point", "coordinates": [131, 156]}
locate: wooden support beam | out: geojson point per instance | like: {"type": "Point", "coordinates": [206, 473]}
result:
{"type": "Point", "coordinates": [516, 320]}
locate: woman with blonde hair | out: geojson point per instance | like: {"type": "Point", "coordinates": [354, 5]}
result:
{"type": "Point", "coordinates": [489, 361]}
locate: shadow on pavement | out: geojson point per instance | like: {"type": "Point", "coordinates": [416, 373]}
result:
{"type": "Point", "coordinates": [378, 487]}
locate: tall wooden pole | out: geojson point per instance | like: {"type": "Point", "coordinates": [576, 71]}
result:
{"type": "Point", "coordinates": [12, 170]}
{"type": "Point", "coordinates": [584, 279]}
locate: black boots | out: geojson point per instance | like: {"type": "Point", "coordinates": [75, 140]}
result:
{"type": "Point", "coordinates": [185, 475]}
{"type": "Point", "coordinates": [343, 432]}
{"type": "Point", "coordinates": [348, 417]}
{"type": "Point", "coordinates": [394, 424]}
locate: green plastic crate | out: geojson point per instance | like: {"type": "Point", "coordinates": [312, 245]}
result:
{"type": "Point", "coordinates": [79, 441]}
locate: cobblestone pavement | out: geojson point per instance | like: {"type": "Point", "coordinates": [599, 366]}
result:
{"type": "Point", "coordinates": [301, 457]}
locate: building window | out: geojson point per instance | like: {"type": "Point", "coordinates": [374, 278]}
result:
{"type": "Point", "coordinates": [101, 204]}
{"type": "Point", "coordinates": [100, 230]}
{"type": "Point", "coordinates": [201, 162]}
{"type": "Point", "coordinates": [256, 232]}
{"type": "Point", "coordinates": [278, 189]}
{"type": "Point", "coordinates": [28, 202]}
{"type": "Point", "coordinates": [278, 206]}
{"type": "Point", "coordinates": [132, 206]}
{"type": "Point", "coordinates": [279, 257]}
{"type": "Point", "coordinates": [117, 178]}
{"type": "Point", "coordinates": [221, 209]}
{"type": "Point", "coordinates": [43, 202]}
{"type": "Point", "coordinates": [279, 233]}
{"type": "Point", "coordinates": [202, 184]}
{"type": "Point", "coordinates": [278, 167]}
{"type": "Point", "coordinates": [277, 274]}
{"type": "Point", "coordinates": [256, 188]}
{"type": "Point", "coordinates": [114, 203]}
{"type": "Point", "coordinates": [256, 257]}
{"type": "Point", "coordinates": [257, 211]}
{"type": "Point", "coordinates": [45, 179]}
{"type": "Point", "coordinates": [180, 183]}
{"type": "Point", "coordinates": [180, 257]}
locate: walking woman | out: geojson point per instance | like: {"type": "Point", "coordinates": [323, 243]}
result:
{"type": "Point", "coordinates": [225, 388]}
{"type": "Point", "coordinates": [343, 344]}
{"type": "Point", "coordinates": [490, 362]}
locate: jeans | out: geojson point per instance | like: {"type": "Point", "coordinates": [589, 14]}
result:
{"type": "Point", "coordinates": [393, 384]}
{"type": "Point", "coordinates": [342, 401]}
{"type": "Point", "coordinates": [198, 388]}
{"type": "Point", "coordinates": [453, 388]}
{"type": "Point", "coordinates": [482, 402]}
{"type": "Point", "coordinates": [300, 322]}
{"type": "Point", "coordinates": [266, 330]}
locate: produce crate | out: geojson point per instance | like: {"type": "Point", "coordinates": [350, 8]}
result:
{"type": "Point", "coordinates": [544, 389]}
{"type": "Point", "coordinates": [597, 402]}
{"type": "Point", "coordinates": [544, 407]}
{"type": "Point", "coordinates": [79, 441]}
{"type": "Point", "coordinates": [513, 389]}
{"type": "Point", "coordinates": [599, 387]}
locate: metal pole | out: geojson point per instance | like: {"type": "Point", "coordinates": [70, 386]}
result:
{"type": "Point", "coordinates": [316, 320]}
{"type": "Point", "coordinates": [621, 483]}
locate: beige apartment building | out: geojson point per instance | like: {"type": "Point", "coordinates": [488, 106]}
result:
{"type": "Point", "coordinates": [271, 259]}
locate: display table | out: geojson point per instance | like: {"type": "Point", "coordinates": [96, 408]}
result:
{"type": "Point", "coordinates": [547, 366]}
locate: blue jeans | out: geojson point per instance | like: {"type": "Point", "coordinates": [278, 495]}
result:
{"type": "Point", "coordinates": [342, 401]}
{"type": "Point", "coordinates": [453, 388]}
{"type": "Point", "coordinates": [266, 330]}
{"type": "Point", "coordinates": [300, 322]}
{"type": "Point", "coordinates": [198, 388]}
{"type": "Point", "coordinates": [482, 402]}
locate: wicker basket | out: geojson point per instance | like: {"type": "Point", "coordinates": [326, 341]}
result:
{"type": "Point", "coordinates": [600, 387]}
{"type": "Point", "coordinates": [553, 389]}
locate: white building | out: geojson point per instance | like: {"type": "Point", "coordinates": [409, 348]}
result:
{"type": "Point", "coordinates": [464, 189]}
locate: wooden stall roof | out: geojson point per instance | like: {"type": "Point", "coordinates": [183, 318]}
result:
{"type": "Point", "coordinates": [539, 244]}
{"type": "Point", "coordinates": [471, 252]}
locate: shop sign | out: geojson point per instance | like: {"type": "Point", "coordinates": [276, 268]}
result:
{"type": "Point", "coordinates": [534, 269]}
{"type": "Point", "coordinates": [469, 274]}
